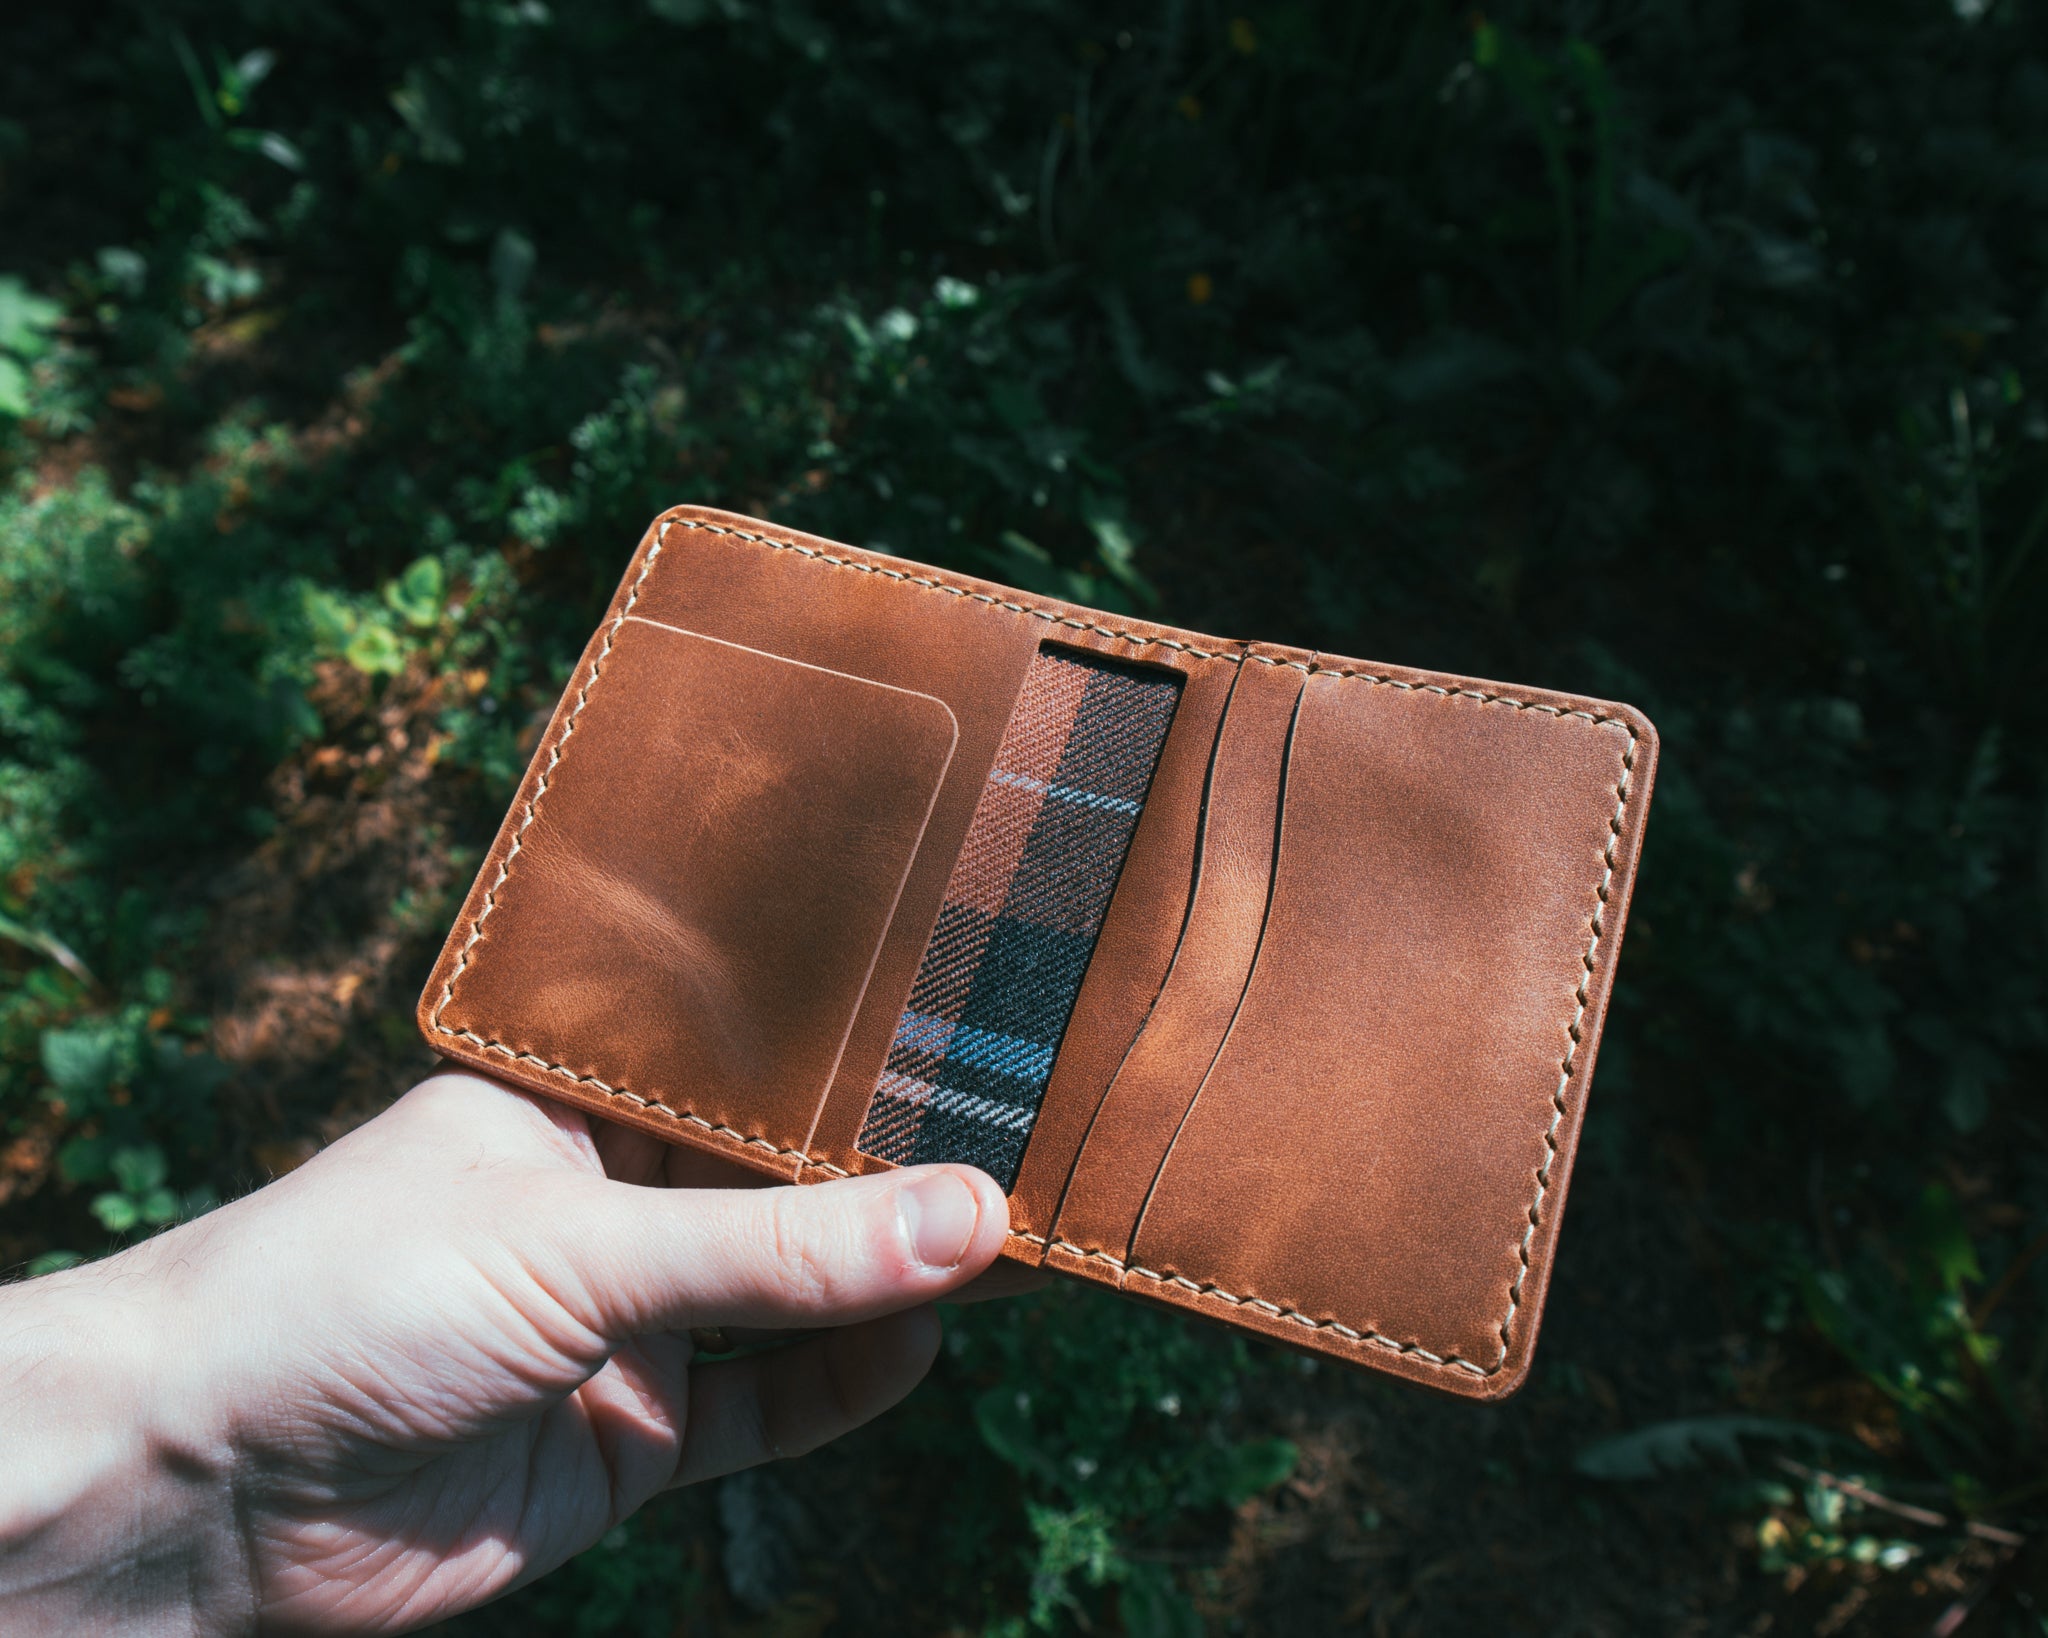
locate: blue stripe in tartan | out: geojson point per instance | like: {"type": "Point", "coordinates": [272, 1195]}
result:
{"type": "Point", "coordinates": [1062, 793]}
{"type": "Point", "coordinates": [979, 1048]}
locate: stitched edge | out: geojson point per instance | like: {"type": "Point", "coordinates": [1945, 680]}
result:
{"type": "Point", "coordinates": [1036, 611]}
{"type": "Point", "coordinates": [651, 1105]}
{"type": "Point", "coordinates": [1216, 1293]}
{"type": "Point", "coordinates": [1573, 1028]}
{"type": "Point", "coordinates": [1567, 1066]}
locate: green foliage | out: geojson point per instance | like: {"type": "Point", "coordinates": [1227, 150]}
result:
{"type": "Point", "coordinates": [139, 1197]}
{"type": "Point", "coordinates": [1689, 1442]}
{"type": "Point", "coordinates": [1901, 1314]}
{"type": "Point", "coordinates": [629, 1583]}
{"type": "Point", "coordinates": [1663, 352]}
{"type": "Point", "coordinates": [27, 322]}
{"type": "Point", "coordinates": [1149, 1443]}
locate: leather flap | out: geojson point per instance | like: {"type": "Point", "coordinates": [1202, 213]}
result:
{"type": "Point", "coordinates": [697, 888]}
{"type": "Point", "coordinates": [1379, 1148]}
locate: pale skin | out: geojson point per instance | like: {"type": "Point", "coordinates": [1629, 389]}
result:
{"type": "Point", "coordinates": [438, 1360]}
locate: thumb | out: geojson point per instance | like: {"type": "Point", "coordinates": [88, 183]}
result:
{"type": "Point", "coordinates": [638, 1260]}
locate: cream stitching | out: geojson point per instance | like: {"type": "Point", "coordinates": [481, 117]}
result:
{"type": "Point", "coordinates": [1216, 1293]}
{"type": "Point", "coordinates": [1573, 1030]}
{"type": "Point", "coordinates": [652, 1105]}
{"type": "Point", "coordinates": [1481, 695]}
{"type": "Point", "coordinates": [1050, 616]}
{"type": "Point", "coordinates": [1623, 786]}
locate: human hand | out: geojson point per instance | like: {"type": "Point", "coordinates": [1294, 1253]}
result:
{"type": "Point", "coordinates": [436, 1361]}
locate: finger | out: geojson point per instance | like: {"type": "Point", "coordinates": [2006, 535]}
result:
{"type": "Point", "coordinates": [636, 1410]}
{"type": "Point", "coordinates": [767, 1406]}
{"type": "Point", "coordinates": [629, 1156]}
{"type": "Point", "coordinates": [1002, 1281]}
{"type": "Point", "coordinates": [628, 1260]}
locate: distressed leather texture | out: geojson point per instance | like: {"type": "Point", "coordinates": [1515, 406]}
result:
{"type": "Point", "coordinates": [1329, 1059]}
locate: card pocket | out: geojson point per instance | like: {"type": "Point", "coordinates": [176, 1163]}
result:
{"type": "Point", "coordinates": [1381, 1132]}
{"type": "Point", "coordinates": [1137, 1117]}
{"type": "Point", "coordinates": [702, 880]}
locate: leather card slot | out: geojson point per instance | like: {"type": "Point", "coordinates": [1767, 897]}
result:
{"type": "Point", "coordinates": [1373, 1143]}
{"type": "Point", "coordinates": [1135, 950]}
{"type": "Point", "coordinates": [973, 1051]}
{"type": "Point", "coordinates": [702, 879]}
{"type": "Point", "coordinates": [1161, 1074]}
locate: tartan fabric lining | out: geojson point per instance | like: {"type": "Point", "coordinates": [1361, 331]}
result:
{"type": "Point", "coordinates": [973, 1051]}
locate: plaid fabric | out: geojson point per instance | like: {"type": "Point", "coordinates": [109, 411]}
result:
{"type": "Point", "coordinates": [971, 1056]}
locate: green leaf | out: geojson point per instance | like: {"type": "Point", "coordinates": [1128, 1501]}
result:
{"type": "Point", "coordinates": [1116, 546]}
{"type": "Point", "coordinates": [1256, 1467]}
{"type": "Point", "coordinates": [1151, 1606]}
{"type": "Point", "coordinates": [13, 388]}
{"type": "Point", "coordinates": [333, 622]}
{"type": "Point", "coordinates": [26, 319]}
{"type": "Point", "coordinates": [140, 1170]}
{"type": "Point", "coordinates": [124, 269]}
{"type": "Point", "coordinates": [374, 651]}
{"type": "Point", "coordinates": [512, 262]}
{"type": "Point", "coordinates": [51, 1262]}
{"type": "Point", "coordinates": [252, 68]}
{"type": "Point", "coordinates": [48, 944]}
{"type": "Point", "coordinates": [272, 145]}
{"type": "Point", "coordinates": [1003, 1417]}
{"type": "Point", "coordinates": [419, 595]}
{"type": "Point", "coordinates": [1967, 1103]}
{"type": "Point", "coordinates": [1687, 1443]}
{"type": "Point", "coordinates": [1943, 1240]}
{"type": "Point", "coordinates": [1453, 364]}
{"type": "Point", "coordinates": [116, 1212]}
{"type": "Point", "coordinates": [83, 1160]}
{"type": "Point", "coordinates": [79, 1062]}
{"type": "Point", "coordinates": [195, 77]}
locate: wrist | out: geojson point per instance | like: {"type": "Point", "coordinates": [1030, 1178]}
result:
{"type": "Point", "coordinates": [116, 1506]}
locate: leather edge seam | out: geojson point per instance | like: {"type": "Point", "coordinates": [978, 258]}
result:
{"type": "Point", "coordinates": [1574, 1028]}
{"type": "Point", "coordinates": [653, 1106]}
{"type": "Point", "coordinates": [1215, 1293]}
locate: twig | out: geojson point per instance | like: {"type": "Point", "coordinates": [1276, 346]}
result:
{"type": "Point", "coordinates": [1951, 1620]}
{"type": "Point", "coordinates": [47, 944]}
{"type": "Point", "coordinates": [1898, 1509]}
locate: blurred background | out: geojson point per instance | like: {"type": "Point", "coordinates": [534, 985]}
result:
{"type": "Point", "coordinates": [1690, 352]}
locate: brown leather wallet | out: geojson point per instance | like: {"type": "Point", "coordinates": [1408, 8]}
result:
{"type": "Point", "coordinates": [1268, 983]}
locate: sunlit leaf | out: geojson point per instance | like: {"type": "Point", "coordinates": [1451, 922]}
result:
{"type": "Point", "coordinates": [375, 651]}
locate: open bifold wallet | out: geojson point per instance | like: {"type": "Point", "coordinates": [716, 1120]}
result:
{"type": "Point", "coordinates": [1266, 983]}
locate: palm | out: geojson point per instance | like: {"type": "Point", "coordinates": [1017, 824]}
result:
{"type": "Point", "coordinates": [404, 1525]}
{"type": "Point", "coordinates": [452, 1351]}
{"type": "Point", "coordinates": [485, 1446]}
